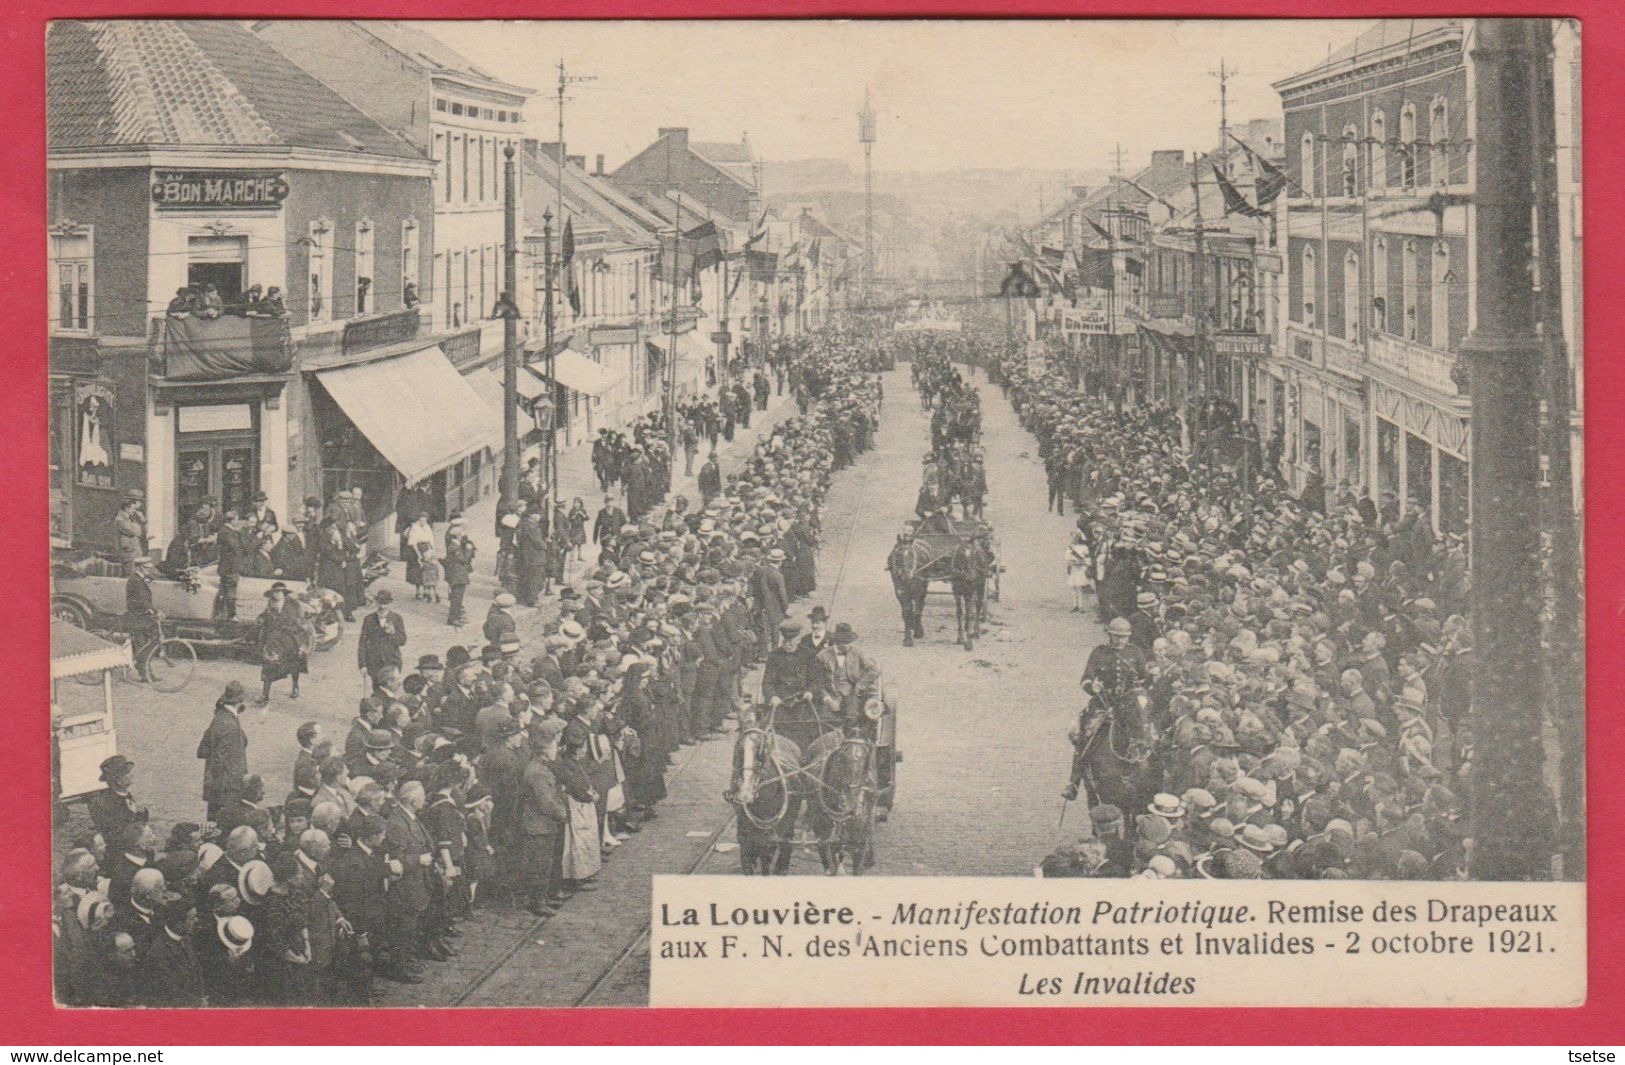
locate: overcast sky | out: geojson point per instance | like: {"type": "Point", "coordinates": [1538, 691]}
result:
{"type": "Point", "coordinates": [949, 94]}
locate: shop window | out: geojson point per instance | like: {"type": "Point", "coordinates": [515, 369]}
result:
{"type": "Point", "coordinates": [1354, 472]}
{"type": "Point", "coordinates": [1387, 461]}
{"type": "Point", "coordinates": [71, 273]}
{"type": "Point", "coordinates": [318, 287]}
{"type": "Point", "coordinates": [363, 267]}
{"type": "Point", "coordinates": [1379, 151]}
{"type": "Point", "coordinates": [1418, 474]}
{"type": "Point", "coordinates": [1453, 494]}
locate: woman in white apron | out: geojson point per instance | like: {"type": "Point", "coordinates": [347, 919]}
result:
{"type": "Point", "coordinates": [582, 849]}
{"type": "Point", "coordinates": [1080, 567]}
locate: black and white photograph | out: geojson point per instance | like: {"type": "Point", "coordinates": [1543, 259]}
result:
{"type": "Point", "coordinates": [496, 464]}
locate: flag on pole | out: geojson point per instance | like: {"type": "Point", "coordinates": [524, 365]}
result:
{"type": "Point", "coordinates": [1096, 226]}
{"type": "Point", "coordinates": [567, 244]}
{"type": "Point", "coordinates": [1271, 180]}
{"type": "Point", "coordinates": [1234, 201]}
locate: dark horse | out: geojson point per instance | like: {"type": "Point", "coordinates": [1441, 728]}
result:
{"type": "Point", "coordinates": [1112, 752]}
{"type": "Point", "coordinates": [969, 567]}
{"type": "Point", "coordinates": [906, 560]}
{"type": "Point", "coordinates": [842, 814]}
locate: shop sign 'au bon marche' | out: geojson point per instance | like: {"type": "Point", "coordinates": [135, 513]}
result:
{"type": "Point", "coordinates": [213, 190]}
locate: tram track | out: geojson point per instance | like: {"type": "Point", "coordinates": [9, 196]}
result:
{"type": "Point", "coordinates": [629, 951]}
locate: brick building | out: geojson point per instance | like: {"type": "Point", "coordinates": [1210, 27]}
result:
{"type": "Point", "coordinates": [192, 153]}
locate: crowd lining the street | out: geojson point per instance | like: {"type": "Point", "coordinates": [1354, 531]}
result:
{"type": "Point", "coordinates": [501, 773]}
{"type": "Point", "coordinates": [1305, 661]}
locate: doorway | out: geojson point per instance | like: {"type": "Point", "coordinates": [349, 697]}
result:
{"type": "Point", "coordinates": [217, 456]}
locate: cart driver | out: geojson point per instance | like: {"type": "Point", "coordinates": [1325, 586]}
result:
{"type": "Point", "coordinates": [140, 617]}
{"type": "Point", "coordinates": [849, 677]}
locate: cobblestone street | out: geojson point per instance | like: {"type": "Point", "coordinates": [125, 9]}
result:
{"type": "Point", "coordinates": [982, 733]}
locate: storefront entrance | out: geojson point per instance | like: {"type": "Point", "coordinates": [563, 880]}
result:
{"type": "Point", "coordinates": [217, 456]}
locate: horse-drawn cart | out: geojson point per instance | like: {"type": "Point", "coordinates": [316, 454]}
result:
{"type": "Point", "coordinates": [808, 761]}
{"type": "Point", "coordinates": [961, 552]}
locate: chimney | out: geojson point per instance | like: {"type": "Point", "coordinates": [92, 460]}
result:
{"type": "Point", "coordinates": [676, 133]}
{"type": "Point", "coordinates": [576, 160]}
{"type": "Point", "coordinates": [1168, 159]}
{"type": "Point", "coordinates": [598, 165]}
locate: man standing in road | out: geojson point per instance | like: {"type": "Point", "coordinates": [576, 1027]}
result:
{"type": "Point", "coordinates": [710, 479]}
{"type": "Point", "coordinates": [383, 634]}
{"type": "Point", "coordinates": [224, 750]}
{"type": "Point", "coordinates": [772, 601]}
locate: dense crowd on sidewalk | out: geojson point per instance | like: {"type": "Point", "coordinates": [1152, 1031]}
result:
{"type": "Point", "coordinates": [498, 773]}
{"type": "Point", "coordinates": [1304, 662]}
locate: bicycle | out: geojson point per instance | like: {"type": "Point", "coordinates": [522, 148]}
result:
{"type": "Point", "coordinates": [165, 662]}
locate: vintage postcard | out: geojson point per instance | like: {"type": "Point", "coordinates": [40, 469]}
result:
{"type": "Point", "coordinates": [547, 513]}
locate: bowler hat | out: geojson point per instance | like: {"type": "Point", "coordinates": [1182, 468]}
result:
{"type": "Point", "coordinates": [115, 766]}
{"type": "Point", "coordinates": [380, 740]}
{"type": "Point", "coordinates": [384, 597]}
{"type": "Point", "coordinates": [234, 693]}
{"type": "Point", "coordinates": [275, 588]}
{"type": "Point", "coordinates": [844, 634]}
{"type": "Point", "coordinates": [818, 613]}
{"type": "Point", "coordinates": [457, 656]}
{"type": "Point", "coordinates": [429, 662]}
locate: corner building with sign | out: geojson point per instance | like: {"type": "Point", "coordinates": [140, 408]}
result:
{"type": "Point", "coordinates": [190, 155]}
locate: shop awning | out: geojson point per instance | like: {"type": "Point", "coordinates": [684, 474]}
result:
{"type": "Point", "coordinates": [75, 652]}
{"type": "Point", "coordinates": [487, 381]}
{"type": "Point", "coordinates": [416, 409]}
{"type": "Point", "coordinates": [575, 371]}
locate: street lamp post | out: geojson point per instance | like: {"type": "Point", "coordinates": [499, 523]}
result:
{"type": "Point", "coordinates": [866, 134]}
{"type": "Point", "coordinates": [550, 438]}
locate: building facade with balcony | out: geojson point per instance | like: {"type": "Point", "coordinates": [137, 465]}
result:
{"type": "Point", "coordinates": [1379, 270]}
{"type": "Point", "coordinates": [191, 155]}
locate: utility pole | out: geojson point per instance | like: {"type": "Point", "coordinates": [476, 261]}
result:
{"type": "Point", "coordinates": [510, 335]}
{"type": "Point", "coordinates": [1513, 828]}
{"type": "Point", "coordinates": [1565, 638]}
{"type": "Point", "coordinates": [866, 135]}
{"type": "Point", "coordinates": [671, 352]}
{"type": "Point", "coordinates": [1117, 160]}
{"type": "Point", "coordinates": [1199, 299]}
{"type": "Point", "coordinates": [549, 321]}
{"type": "Point", "coordinates": [1224, 74]}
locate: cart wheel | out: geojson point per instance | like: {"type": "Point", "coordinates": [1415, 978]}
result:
{"type": "Point", "coordinates": [71, 612]}
{"type": "Point", "coordinates": [170, 665]}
